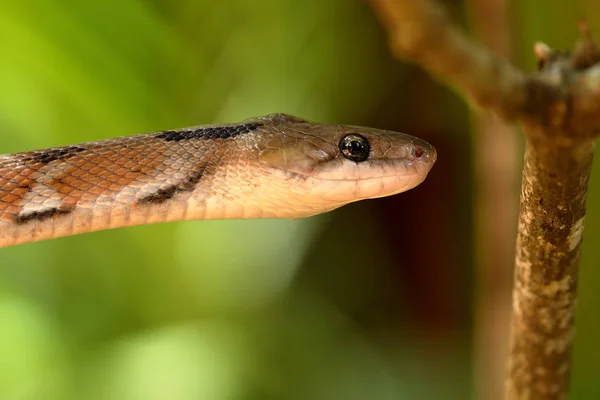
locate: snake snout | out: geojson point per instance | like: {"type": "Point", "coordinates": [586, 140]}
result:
{"type": "Point", "coordinates": [423, 152]}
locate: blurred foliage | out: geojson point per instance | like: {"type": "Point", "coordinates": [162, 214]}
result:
{"type": "Point", "coordinates": [341, 306]}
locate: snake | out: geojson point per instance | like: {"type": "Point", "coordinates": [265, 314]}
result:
{"type": "Point", "coordinates": [274, 166]}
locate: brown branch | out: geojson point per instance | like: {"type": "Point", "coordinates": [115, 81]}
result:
{"type": "Point", "coordinates": [559, 110]}
{"type": "Point", "coordinates": [419, 31]}
{"type": "Point", "coordinates": [495, 154]}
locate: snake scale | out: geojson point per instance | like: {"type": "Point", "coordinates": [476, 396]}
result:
{"type": "Point", "coordinates": [276, 166]}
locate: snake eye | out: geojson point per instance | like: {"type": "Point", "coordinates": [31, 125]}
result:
{"type": "Point", "coordinates": [355, 147]}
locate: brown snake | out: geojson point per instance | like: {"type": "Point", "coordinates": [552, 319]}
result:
{"type": "Point", "coordinates": [277, 166]}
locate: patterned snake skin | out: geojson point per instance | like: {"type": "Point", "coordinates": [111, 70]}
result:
{"type": "Point", "coordinates": [277, 166]}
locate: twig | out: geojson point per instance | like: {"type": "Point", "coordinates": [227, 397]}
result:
{"type": "Point", "coordinates": [419, 31]}
{"type": "Point", "coordinates": [495, 153]}
{"type": "Point", "coordinates": [558, 108]}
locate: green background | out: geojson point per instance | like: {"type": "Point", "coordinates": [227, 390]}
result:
{"type": "Point", "coordinates": [372, 301]}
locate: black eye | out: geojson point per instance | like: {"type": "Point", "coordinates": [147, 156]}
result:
{"type": "Point", "coordinates": [355, 147]}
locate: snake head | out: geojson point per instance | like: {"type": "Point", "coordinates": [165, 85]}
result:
{"type": "Point", "coordinates": [328, 166]}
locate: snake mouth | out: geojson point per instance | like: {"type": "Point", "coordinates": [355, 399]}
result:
{"type": "Point", "coordinates": [342, 192]}
{"type": "Point", "coordinates": [345, 171]}
{"type": "Point", "coordinates": [398, 176]}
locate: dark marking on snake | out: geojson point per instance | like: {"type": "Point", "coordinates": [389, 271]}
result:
{"type": "Point", "coordinates": [60, 153]}
{"type": "Point", "coordinates": [160, 196]}
{"type": "Point", "coordinates": [167, 192]}
{"type": "Point", "coordinates": [192, 180]}
{"type": "Point", "coordinates": [211, 132]}
{"type": "Point", "coordinates": [40, 215]}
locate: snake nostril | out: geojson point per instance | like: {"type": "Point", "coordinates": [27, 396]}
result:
{"type": "Point", "coordinates": [418, 151]}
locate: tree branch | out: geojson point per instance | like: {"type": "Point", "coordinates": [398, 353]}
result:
{"type": "Point", "coordinates": [559, 110]}
{"type": "Point", "coordinates": [495, 153]}
{"type": "Point", "coordinates": [419, 31]}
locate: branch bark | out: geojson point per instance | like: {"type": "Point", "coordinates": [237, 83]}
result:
{"type": "Point", "coordinates": [558, 109]}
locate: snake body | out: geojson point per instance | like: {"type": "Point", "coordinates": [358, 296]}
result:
{"type": "Point", "coordinates": [276, 166]}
